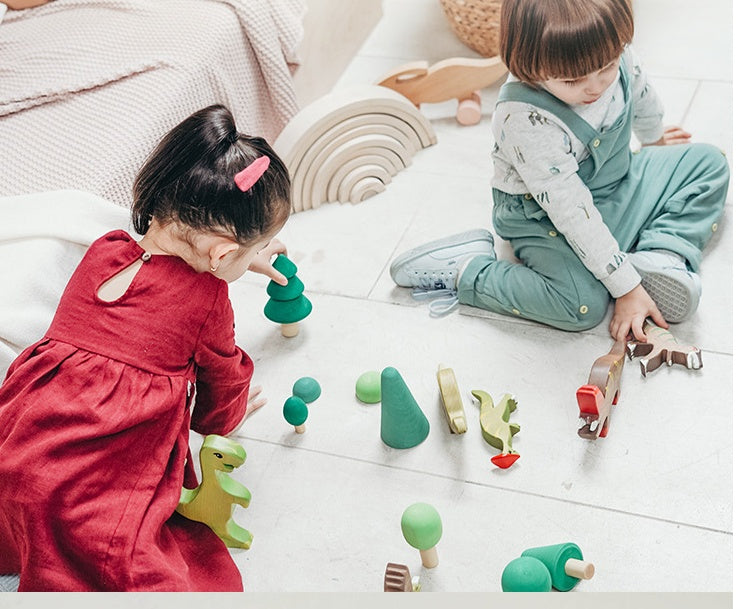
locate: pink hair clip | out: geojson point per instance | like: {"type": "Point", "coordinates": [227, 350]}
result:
{"type": "Point", "coordinates": [248, 176]}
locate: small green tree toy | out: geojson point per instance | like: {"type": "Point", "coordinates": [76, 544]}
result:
{"type": "Point", "coordinates": [287, 305]}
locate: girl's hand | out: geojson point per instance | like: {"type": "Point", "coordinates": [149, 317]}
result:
{"type": "Point", "coordinates": [630, 312]}
{"type": "Point", "coordinates": [261, 263]}
{"type": "Point", "coordinates": [673, 135]}
{"type": "Point", "coordinates": [254, 402]}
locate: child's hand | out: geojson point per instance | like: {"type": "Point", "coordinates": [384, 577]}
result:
{"type": "Point", "coordinates": [261, 263]}
{"type": "Point", "coordinates": [630, 312]}
{"type": "Point", "coordinates": [673, 135]}
{"type": "Point", "coordinates": [254, 402]}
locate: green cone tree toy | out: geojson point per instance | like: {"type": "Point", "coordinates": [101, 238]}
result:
{"type": "Point", "coordinates": [402, 422]}
{"type": "Point", "coordinates": [287, 304]}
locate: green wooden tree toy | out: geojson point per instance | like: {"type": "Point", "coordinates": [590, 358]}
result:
{"type": "Point", "coordinates": [422, 528]}
{"type": "Point", "coordinates": [526, 574]}
{"type": "Point", "coordinates": [212, 502]}
{"type": "Point", "coordinates": [402, 422]}
{"type": "Point", "coordinates": [495, 426]}
{"type": "Point", "coordinates": [295, 412]}
{"type": "Point", "coordinates": [565, 563]}
{"type": "Point", "coordinates": [287, 304]}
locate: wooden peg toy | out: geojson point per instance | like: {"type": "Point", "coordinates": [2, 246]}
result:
{"type": "Point", "coordinates": [451, 400]}
{"type": "Point", "coordinates": [600, 393]}
{"type": "Point", "coordinates": [422, 529]}
{"type": "Point", "coordinates": [457, 78]}
{"type": "Point", "coordinates": [565, 563]}
{"type": "Point", "coordinates": [212, 502]}
{"type": "Point", "coordinates": [398, 579]}
{"type": "Point", "coordinates": [662, 347]}
{"type": "Point", "coordinates": [495, 426]}
{"type": "Point", "coordinates": [287, 304]}
{"type": "Point", "coordinates": [295, 412]}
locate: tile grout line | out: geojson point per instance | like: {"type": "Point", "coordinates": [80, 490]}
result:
{"type": "Point", "coordinates": [500, 488]}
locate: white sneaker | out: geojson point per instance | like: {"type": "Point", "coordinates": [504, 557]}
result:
{"type": "Point", "coordinates": [675, 289]}
{"type": "Point", "coordinates": [436, 265]}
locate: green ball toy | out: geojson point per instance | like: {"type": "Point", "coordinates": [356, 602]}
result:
{"type": "Point", "coordinates": [367, 387]}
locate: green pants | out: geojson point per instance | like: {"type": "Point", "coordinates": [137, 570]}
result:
{"type": "Point", "coordinates": [672, 198]}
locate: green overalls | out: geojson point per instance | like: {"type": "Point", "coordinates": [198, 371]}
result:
{"type": "Point", "coordinates": [665, 197]}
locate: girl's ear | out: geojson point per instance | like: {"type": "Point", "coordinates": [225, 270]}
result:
{"type": "Point", "coordinates": [220, 248]}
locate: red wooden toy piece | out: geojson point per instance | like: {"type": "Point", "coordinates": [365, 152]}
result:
{"type": "Point", "coordinates": [601, 392]}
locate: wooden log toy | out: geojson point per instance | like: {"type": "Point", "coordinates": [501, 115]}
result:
{"type": "Point", "coordinates": [457, 78]}
{"type": "Point", "coordinates": [213, 501]}
{"type": "Point", "coordinates": [662, 347]}
{"type": "Point", "coordinates": [295, 412]}
{"type": "Point", "coordinates": [451, 400]}
{"type": "Point", "coordinates": [287, 304]}
{"type": "Point", "coordinates": [526, 574]}
{"type": "Point", "coordinates": [495, 426]}
{"type": "Point", "coordinates": [347, 146]}
{"type": "Point", "coordinates": [600, 393]}
{"type": "Point", "coordinates": [402, 423]}
{"type": "Point", "coordinates": [397, 578]}
{"type": "Point", "coordinates": [421, 526]}
{"type": "Point", "coordinates": [565, 563]}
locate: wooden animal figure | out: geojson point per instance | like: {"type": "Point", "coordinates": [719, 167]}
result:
{"type": "Point", "coordinates": [495, 426]}
{"type": "Point", "coordinates": [397, 578]}
{"type": "Point", "coordinates": [662, 347]}
{"type": "Point", "coordinates": [451, 400]}
{"type": "Point", "coordinates": [601, 392]}
{"type": "Point", "coordinates": [456, 78]}
{"type": "Point", "coordinates": [213, 501]}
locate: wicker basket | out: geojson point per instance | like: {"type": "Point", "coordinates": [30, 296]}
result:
{"type": "Point", "coordinates": [475, 22]}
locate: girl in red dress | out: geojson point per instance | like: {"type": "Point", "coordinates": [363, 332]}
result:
{"type": "Point", "coordinates": [95, 417]}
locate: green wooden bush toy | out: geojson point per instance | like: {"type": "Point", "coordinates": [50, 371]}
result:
{"type": "Point", "coordinates": [402, 422]}
{"type": "Point", "coordinates": [565, 563]}
{"type": "Point", "coordinates": [295, 412]}
{"type": "Point", "coordinates": [287, 304]}
{"type": "Point", "coordinates": [212, 501]}
{"type": "Point", "coordinates": [367, 387]}
{"type": "Point", "coordinates": [526, 574]}
{"type": "Point", "coordinates": [422, 528]}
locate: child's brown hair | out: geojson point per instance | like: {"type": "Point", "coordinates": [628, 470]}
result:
{"type": "Point", "coordinates": [543, 39]}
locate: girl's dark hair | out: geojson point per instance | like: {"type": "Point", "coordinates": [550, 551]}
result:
{"type": "Point", "coordinates": [543, 39]}
{"type": "Point", "coordinates": [189, 178]}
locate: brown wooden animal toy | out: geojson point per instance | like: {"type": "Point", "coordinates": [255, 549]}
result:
{"type": "Point", "coordinates": [457, 78]}
{"type": "Point", "coordinates": [601, 392]}
{"type": "Point", "coordinates": [662, 347]}
{"type": "Point", "coordinates": [495, 426]}
{"type": "Point", "coordinates": [213, 501]}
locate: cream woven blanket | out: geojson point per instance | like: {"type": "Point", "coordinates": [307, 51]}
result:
{"type": "Point", "coordinates": [88, 87]}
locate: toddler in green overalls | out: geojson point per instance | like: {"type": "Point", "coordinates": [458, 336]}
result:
{"type": "Point", "coordinates": [588, 219]}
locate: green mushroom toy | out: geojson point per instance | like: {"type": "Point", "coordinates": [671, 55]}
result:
{"type": "Point", "coordinates": [422, 528]}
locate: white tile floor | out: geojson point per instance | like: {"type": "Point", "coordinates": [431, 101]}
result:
{"type": "Point", "coordinates": [650, 505]}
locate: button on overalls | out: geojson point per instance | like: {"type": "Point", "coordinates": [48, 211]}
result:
{"type": "Point", "coordinates": [664, 197]}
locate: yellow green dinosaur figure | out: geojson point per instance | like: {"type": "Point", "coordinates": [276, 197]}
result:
{"type": "Point", "coordinates": [495, 426]}
{"type": "Point", "coordinates": [212, 502]}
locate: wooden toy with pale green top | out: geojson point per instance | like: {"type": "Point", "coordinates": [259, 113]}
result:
{"type": "Point", "coordinates": [422, 528]}
{"type": "Point", "coordinates": [213, 501]}
{"type": "Point", "coordinates": [495, 426]}
{"type": "Point", "coordinates": [662, 347]}
{"type": "Point", "coordinates": [287, 304]}
{"type": "Point", "coordinates": [451, 400]}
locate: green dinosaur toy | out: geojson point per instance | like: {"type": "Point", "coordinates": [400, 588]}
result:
{"type": "Point", "coordinates": [212, 502]}
{"type": "Point", "coordinates": [495, 426]}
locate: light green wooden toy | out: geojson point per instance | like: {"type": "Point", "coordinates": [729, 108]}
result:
{"type": "Point", "coordinates": [422, 528]}
{"type": "Point", "coordinates": [495, 426]}
{"type": "Point", "coordinates": [212, 502]}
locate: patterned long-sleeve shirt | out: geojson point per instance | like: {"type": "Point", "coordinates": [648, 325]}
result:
{"type": "Point", "coordinates": [553, 152]}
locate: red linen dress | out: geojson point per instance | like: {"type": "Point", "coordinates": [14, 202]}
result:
{"type": "Point", "coordinates": [94, 425]}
